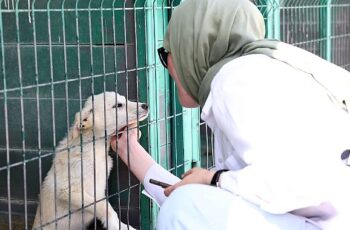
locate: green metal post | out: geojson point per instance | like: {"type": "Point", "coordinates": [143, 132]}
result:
{"type": "Point", "coordinates": [183, 124]}
{"type": "Point", "coordinates": [270, 9]}
{"type": "Point", "coordinates": [272, 20]}
{"type": "Point", "coordinates": [157, 87]}
{"type": "Point", "coordinates": [326, 29]}
{"type": "Point", "coordinates": [191, 137]}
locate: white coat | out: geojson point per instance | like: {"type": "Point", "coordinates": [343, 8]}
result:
{"type": "Point", "coordinates": [281, 136]}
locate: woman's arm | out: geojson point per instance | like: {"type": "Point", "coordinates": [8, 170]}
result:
{"type": "Point", "coordinates": [192, 176]}
{"type": "Point", "coordinates": [142, 164]}
{"type": "Point", "coordinates": [133, 155]}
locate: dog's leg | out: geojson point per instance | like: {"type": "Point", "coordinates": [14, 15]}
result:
{"type": "Point", "coordinates": [113, 220]}
{"type": "Point", "coordinates": [101, 211]}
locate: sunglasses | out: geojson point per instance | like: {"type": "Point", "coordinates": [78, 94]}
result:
{"type": "Point", "coordinates": [163, 56]}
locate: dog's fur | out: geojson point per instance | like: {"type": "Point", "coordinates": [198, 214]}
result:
{"type": "Point", "coordinates": [84, 150]}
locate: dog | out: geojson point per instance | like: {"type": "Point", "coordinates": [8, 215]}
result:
{"type": "Point", "coordinates": [70, 182]}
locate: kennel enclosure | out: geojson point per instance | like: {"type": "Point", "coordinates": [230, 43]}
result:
{"type": "Point", "coordinates": [56, 53]}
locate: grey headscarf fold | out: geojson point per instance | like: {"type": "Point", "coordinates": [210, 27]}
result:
{"type": "Point", "coordinates": [203, 35]}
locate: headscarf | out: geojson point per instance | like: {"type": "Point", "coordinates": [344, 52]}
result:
{"type": "Point", "coordinates": [204, 35]}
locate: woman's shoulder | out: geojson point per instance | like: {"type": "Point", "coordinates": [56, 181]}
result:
{"type": "Point", "coordinates": [257, 69]}
{"type": "Point", "coordinates": [252, 64]}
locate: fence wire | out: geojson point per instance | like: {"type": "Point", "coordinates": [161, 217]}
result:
{"type": "Point", "coordinates": [56, 53]}
{"type": "Point", "coordinates": [340, 33]}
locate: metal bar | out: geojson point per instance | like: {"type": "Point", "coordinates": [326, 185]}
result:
{"type": "Point", "coordinates": [82, 9]}
{"type": "Point", "coordinates": [152, 76]}
{"type": "Point", "coordinates": [325, 28]}
{"type": "Point", "coordinates": [19, 57]}
{"type": "Point", "coordinates": [145, 205]}
{"type": "Point", "coordinates": [53, 116]}
{"type": "Point", "coordinates": [152, 93]}
{"type": "Point", "coordinates": [67, 110]}
{"type": "Point", "coordinates": [321, 26]}
{"type": "Point", "coordinates": [192, 156]}
{"type": "Point", "coordinates": [165, 161]}
{"type": "Point", "coordinates": [153, 35]}
{"type": "Point", "coordinates": [127, 98]}
{"type": "Point", "coordinates": [93, 109]}
{"type": "Point", "coordinates": [273, 19]}
{"type": "Point", "coordinates": [139, 81]}
{"type": "Point", "coordinates": [3, 71]}
{"type": "Point", "coordinates": [37, 106]}
{"type": "Point", "coordinates": [111, 74]}
{"type": "Point", "coordinates": [116, 90]}
{"type": "Point", "coordinates": [104, 106]}
{"type": "Point", "coordinates": [340, 34]}
{"type": "Point", "coordinates": [80, 103]}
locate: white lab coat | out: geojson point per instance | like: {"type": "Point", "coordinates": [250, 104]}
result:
{"type": "Point", "coordinates": [281, 136]}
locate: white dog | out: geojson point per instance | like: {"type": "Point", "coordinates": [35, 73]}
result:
{"type": "Point", "coordinates": [70, 182]}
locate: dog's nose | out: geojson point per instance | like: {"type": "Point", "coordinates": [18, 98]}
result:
{"type": "Point", "coordinates": [144, 106]}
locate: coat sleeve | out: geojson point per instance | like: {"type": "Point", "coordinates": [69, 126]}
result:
{"type": "Point", "coordinates": [157, 172]}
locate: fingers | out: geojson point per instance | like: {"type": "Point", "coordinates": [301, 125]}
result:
{"type": "Point", "coordinates": [132, 131]}
{"type": "Point", "coordinates": [114, 143]}
{"type": "Point", "coordinates": [122, 138]}
{"type": "Point", "coordinates": [184, 181]}
{"type": "Point", "coordinates": [171, 188]}
{"type": "Point", "coordinates": [192, 176]}
{"type": "Point", "coordinates": [187, 173]}
{"type": "Point", "coordinates": [119, 142]}
{"type": "Point", "coordinates": [132, 125]}
{"type": "Point", "coordinates": [128, 129]}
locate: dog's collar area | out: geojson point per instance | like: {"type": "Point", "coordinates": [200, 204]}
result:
{"type": "Point", "coordinates": [120, 131]}
{"type": "Point", "coordinates": [134, 122]}
{"type": "Point", "coordinates": [124, 128]}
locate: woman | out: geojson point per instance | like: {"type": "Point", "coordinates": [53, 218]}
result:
{"type": "Point", "coordinates": [280, 119]}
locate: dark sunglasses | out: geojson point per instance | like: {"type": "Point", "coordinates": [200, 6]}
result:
{"type": "Point", "coordinates": [163, 56]}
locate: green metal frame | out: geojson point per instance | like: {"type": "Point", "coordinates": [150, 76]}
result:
{"type": "Point", "coordinates": [172, 134]}
{"type": "Point", "coordinates": [155, 76]}
{"type": "Point", "coordinates": [191, 138]}
{"type": "Point", "coordinates": [271, 13]}
{"type": "Point", "coordinates": [326, 29]}
{"type": "Point", "coordinates": [187, 147]}
{"type": "Point", "coordinates": [182, 129]}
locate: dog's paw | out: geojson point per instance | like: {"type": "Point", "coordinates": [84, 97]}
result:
{"type": "Point", "coordinates": [114, 224]}
{"type": "Point", "coordinates": [125, 227]}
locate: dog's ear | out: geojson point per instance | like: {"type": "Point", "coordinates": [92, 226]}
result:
{"type": "Point", "coordinates": [78, 125]}
{"type": "Point", "coordinates": [75, 130]}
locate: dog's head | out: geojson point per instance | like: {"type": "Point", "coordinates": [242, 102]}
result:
{"type": "Point", "coordinates": [108, 111]}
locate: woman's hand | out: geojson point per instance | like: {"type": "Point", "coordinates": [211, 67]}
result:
{"type": "Point", "coordinates": [119, 142]}
{"type": "Point", "coordinates": [193, 176]}
{"type": "Point", "coordinates": [131, 152]}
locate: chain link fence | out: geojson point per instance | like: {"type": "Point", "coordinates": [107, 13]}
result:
{"type": "Point", "coordinates": [55, 54]}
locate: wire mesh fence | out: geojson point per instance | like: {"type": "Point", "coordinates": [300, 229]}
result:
{"type": "Point", "coordinates": [340, 33]}
{"type": "Point", "coordinates": [57, 53]}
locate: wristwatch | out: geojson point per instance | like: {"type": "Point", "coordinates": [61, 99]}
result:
{"type": "Point", "coordinates": [216, 177]}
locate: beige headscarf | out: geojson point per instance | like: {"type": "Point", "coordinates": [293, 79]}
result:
{"type": "Point", "coordinates": [203, 35]}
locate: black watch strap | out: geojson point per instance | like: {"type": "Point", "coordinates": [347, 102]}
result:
{"type": "Point", "coordinates": [216, 177]}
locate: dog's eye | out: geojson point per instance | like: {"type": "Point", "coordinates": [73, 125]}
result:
{"type": "Point", "coordinates": [119, 105]}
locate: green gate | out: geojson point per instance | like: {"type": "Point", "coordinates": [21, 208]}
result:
{"type": "Point", "coordinates": [56, 53]}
